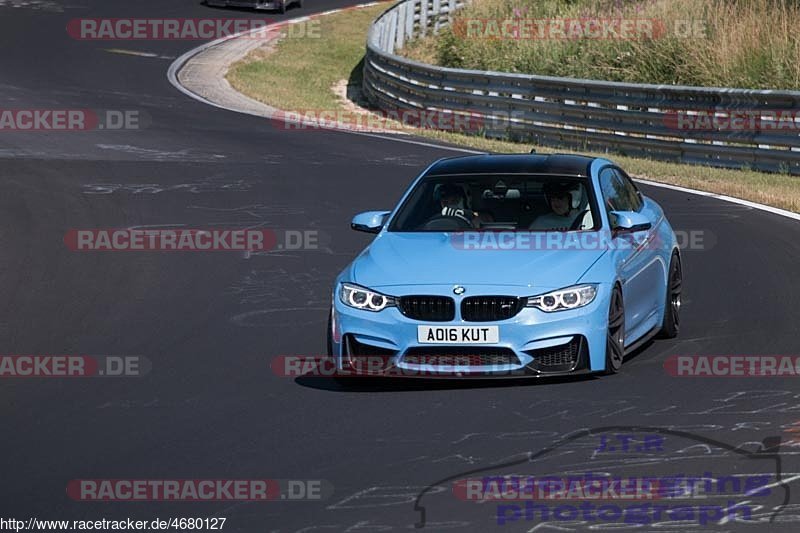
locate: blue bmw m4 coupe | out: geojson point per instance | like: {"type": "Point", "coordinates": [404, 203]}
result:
{"type": "Point", "coordinates": [508, 265]}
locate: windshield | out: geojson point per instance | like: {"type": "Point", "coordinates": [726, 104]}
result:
{"type": "Point", "coordinates": [493, 202]}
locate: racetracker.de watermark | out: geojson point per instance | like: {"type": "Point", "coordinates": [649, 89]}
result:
{"type": "Point", "coordinates": [516, 488]}
{"type": "Point", "coordinates": [574, 29]}
{"type": "Point", "coordinates": [199, 490]}
{"type": "Point", "coordinates": [190, 240]}
{"type": "Point", "coordinates": [733, 366]}
{"type": "Point", "coordinates": [603, 487]}
{"type": "Point", "coordinates": [693, 240]}
{"type": "Point", "coordinates": [382, 120]}
{"type": "Point", "coordinates": [733, 120]}
{"type": "Point", "coordinates": [72, 120]}
{"type": "Point", "coordinates": [440, 366]}
{"type": "Point", "coordinates": [73, 366]}
{"type": "Point", "coordinates": [182, 29]}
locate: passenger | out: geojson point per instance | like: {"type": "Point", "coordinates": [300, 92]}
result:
{"type": "Point", "coordinates": [562, 215]}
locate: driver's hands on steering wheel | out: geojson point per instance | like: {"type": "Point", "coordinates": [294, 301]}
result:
{"type": "Point", "coordinates": [457, 212]}
{"type": "Point", "coordinates": [468, 216]}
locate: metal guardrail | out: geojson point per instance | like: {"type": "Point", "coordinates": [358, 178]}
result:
{"type": "Point", "coordinates": [632, 119]}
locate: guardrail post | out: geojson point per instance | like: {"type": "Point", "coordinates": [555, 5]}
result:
{"type": "Point", "coordinates": [423, 17]}
{"type": "Point", "coordinates": [437, 12]}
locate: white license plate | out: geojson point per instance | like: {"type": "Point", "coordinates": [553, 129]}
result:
{"type": "Point", "coordinates": [458, 334]}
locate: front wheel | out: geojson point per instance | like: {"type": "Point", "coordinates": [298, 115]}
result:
{"type": "Point", "coordinates": [341, 381]}
{"type": "Point", "coordinates": [615, 337]}
{"type": "Point", "coordinates": [330, 333]}
{"type": "Point", "coordinates": [672, 305]}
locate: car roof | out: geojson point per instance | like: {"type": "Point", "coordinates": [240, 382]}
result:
{"type": "Point", "coordinates": [556, 164]}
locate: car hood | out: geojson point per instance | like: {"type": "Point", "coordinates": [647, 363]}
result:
{"type": "Point", "coordinates": [403, 259]}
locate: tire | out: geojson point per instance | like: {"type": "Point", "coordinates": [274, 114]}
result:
{"type": "Point", "coordinates": [282, 8]}
{"type": "Point", "coordinates": [343, 382]}
{"type": "Point", "coordinates": [330, 333]}
{"type": "Point", "coordinates": [615, 335]}
{"type": "Point", "coordinates": [670, 326]}
{"type": "Point", "coordinates": [300, 4]}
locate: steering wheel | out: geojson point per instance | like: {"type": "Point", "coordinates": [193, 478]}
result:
{"type": "Point", "coordinates": [446, 223]}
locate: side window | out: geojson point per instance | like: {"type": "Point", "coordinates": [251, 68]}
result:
{"type": "Point", "coordinates": [614, 197]}
{"type": "Point", "coordinates": [630, 192]}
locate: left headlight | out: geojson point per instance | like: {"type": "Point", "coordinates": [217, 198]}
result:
{"type": "Point", "coordinates": [564, 299]}
{"type": "Point", "coordinates": [363, 298]}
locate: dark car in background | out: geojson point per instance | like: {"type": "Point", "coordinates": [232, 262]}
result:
{"type": "Point", "coordinates": [279, 5]}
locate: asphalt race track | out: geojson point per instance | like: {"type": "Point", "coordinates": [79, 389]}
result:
{"type": "Point", "coordinates": [210, 324]}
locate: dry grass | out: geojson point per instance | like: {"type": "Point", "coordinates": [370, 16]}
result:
{"type": "Point", "coordinates": [301, 73]}
{"type": "Point", "coordinates": [732, 43]}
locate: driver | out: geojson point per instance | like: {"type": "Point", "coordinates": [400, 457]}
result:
{"type": "Point", "coordinates": [453, 203]}
{"type": "Point", "coordinates": [562, 216]}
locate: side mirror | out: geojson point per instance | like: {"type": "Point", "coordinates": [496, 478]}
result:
{"type": "Point", "coordinates": [628, 222]}
{"type": "Point", "coordinates": [369, 221]}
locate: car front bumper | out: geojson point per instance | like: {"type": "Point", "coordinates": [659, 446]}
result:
{"type": "Point", "coordinates": [532, 343]}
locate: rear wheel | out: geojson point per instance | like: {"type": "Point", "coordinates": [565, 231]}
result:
{"type": "Point", "coordinates": [672, 305]}
{"type": "Point", "coordinates": [615, 337]}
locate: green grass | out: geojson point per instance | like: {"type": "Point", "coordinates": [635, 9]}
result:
{"type": "Point", "coordinates": [300, 73]}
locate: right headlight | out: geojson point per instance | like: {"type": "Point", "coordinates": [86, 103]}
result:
{"type": "Point", "coordinates": [564, 299]}
{"type": "Point", "coordinates": [363, 298]}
